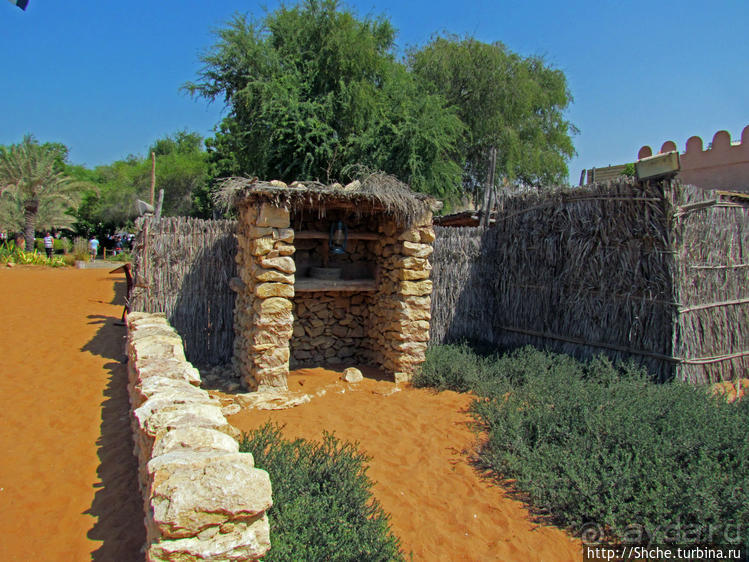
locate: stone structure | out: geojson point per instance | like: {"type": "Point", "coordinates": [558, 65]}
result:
{"type": "Point", "coordinates": [376, 312]}
{"type": "Point", "coordinates": [724, 165]}
{"type": "Point", "coordinates": [203, 500]}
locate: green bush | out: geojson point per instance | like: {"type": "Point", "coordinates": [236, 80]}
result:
{"type": "Point", "coordinates": [322, 503]}
{"type": "Point", "coordinates": [80, 248]}
{"type": "Point", "coordinates": [591, 442]}
{"type": "Point", "coordinates": [10, 253]}
{"type": "Point", "coordinates": [122, 256]}
{"type": "Point", "coordinates": [451, 367]}
{"type": "Point", "coordinates": [59, 245]}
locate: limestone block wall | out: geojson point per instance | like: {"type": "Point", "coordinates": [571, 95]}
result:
{"type": "Point", "coordinates": [401, 306]}
{"type": "Point", "coordinates": [203, 500]}
{"type": "Point", "coordinates": [263, 321]}
{"type": "Point", "coordinates": [277, 326]}
{"type": "Point", "coordinates": [331, 327]}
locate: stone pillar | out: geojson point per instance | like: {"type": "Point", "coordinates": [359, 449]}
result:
{"type": "Point", "coordinates": [402, 307]}
{"type": "Point", "coordinates": [263, 322]}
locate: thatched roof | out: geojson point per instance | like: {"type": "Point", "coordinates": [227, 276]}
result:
{"type": "Point", "coordinates": [376, 193]}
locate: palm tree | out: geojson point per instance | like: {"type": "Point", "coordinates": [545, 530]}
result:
{"type": "Point", "coordinates": [30, 182]}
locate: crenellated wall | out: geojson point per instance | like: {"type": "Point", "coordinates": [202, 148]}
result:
{"type": "Point", "coordinates": [724, 165]}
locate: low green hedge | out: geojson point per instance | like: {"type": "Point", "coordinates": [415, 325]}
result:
{"type": "Point", "coordinates": [59, 245]}
{"type": "Point", "coordinates": [602, 450]}
{"type": "Point", "coordinates": [322, 503]}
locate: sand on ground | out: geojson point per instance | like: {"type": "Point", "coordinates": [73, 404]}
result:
{"type": "Point", "coordinates": [421, 445]}
{"type": "Point", "coordinates": [68, 486]}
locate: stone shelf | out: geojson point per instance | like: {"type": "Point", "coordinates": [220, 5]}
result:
{"type": "Point", "coordinates": [308, 285]}
{"type": "Point", "coordinates": [315, 235]}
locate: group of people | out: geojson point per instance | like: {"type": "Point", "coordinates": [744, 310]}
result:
{"type": "Point", "coordinates": [118, 242]}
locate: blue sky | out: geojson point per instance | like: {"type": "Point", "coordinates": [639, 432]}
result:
{"type": "Point", "coordinates": [104, 77]}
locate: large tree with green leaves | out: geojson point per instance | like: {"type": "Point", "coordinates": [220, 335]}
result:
{"type": "Point", "coordinates": [313, 90]}
{"type": "Point", "coordinates": [512, 103]}
{"type": "Point", "coordinates": [33, 187]}
{"type": "Point", "coordinates": [182, 171]}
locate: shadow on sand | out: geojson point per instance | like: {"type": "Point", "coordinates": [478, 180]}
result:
{"type": "Point", "coordinates": [117, 504]}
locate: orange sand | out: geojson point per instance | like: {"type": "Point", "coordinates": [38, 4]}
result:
{"type": "Point", "coordinates": [68, 489]}
{"type": "Point", "coordinates": [420, 443]}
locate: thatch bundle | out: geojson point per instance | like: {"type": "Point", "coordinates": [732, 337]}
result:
{"type": "Point", "coordinates": [712, 282]}
{"type": "Point", "coordinates": [376, 192]}
{"type": "Point", "coordinates": [182, 267]}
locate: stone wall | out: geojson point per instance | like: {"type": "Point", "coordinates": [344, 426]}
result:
{"type": "Point", "coordinates": [331, 327]}
{"type": "Point", "coordinates": [263, 321]}
{"type": "Point", "coordinates": [277, 326]}
{"type": "Point", "coordinates": [401, 306]}
{"type": "Point", "coordinates": [203, 500]}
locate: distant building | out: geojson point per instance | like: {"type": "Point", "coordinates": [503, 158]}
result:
{"type": "Point", "coordinates": [724, 165]}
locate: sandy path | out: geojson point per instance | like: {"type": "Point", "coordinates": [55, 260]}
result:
{"type": "Point", "coordinates": [420, 445]}
{"type": "Point", "coordinates": [68, 489]}
{"type": "Point", "coordinates": [67, 477]}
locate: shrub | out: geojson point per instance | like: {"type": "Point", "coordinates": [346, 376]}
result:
{"type": "Point", "coordinates": [122, 256]}
{"type": "Point", "coordinates": [59, 245]}
{"type": "Point", "coordinates": [450, 367]}
{"type": "Point", "coordinates": [80, 249]}
{"type": "Point", "coordinates": [594, 442]}
{"type": "Point", "coordinates": [322, 503]}
{"type": "Point", "coordinates": [10, 253]}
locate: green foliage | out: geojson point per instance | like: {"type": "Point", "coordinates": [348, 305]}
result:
{"type": "Point", "coordinates": [594, 442]}
{"type": "Point", "coordinates": [629, 170]}
{"type": "Point", "coordinates": [507, 101]}
{"type": "Point", "coordinates": [451, 367]}
{"type": "Point", "coordinates": [181, 170]}
{"type": "Point", "coordinates": [121, 257]}
{"type": "Point", "coordinates": [34, 191]}
{"type": "Point", "coordinates": [59, 245]}
{"type": "Point", "coordinates": [10, 253]}
{"type": "Point", "coordinates": [322, 503]}
{"type": "Point", "coordinates": [80, 249]}
{"type": "Point", "coordinates": [313, 91]}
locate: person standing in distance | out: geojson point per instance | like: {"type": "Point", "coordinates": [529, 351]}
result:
{"type": "Point", "coordinates": [49, 245]}
{"type": "Point", "coordinates": [93, 247]}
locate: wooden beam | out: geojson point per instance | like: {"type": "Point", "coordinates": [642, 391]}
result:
{"type": "Point", "coordinates": [315, 235]}
{"type": "Point", "coordinates": [308, 285]}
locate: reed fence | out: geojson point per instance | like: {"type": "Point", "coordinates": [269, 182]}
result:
{"type": "Point", "coordinates": [654, 272]}
{"type": "Point", "coordinates": [182, 267]}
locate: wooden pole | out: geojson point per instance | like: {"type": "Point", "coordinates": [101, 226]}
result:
{"type": "Point", "coordinates": [153, 175]}
{"type": "Point", "coordinates": [485, 211]}
{"type": "Point", "coordinates": [157, 216]}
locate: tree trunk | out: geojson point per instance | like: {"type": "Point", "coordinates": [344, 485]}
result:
{"type": "Point", "coordinates": [30, 209]}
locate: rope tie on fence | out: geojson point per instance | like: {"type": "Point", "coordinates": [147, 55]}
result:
{"type": "Point", "coordinates": [625, 349]}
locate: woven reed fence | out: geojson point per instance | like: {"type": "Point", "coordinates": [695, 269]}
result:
{"type": "Point", "coordinates": [658, 273]}
{"type": "Point", "coordinates": [654, 272]}
{"type": "Point", "coordinates": [182, 267]}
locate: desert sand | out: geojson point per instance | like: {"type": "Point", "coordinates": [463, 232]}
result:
{"type": "Point", "coordinates": [68, 489]}
{"type": "Point", "coordinates": [421, 445]}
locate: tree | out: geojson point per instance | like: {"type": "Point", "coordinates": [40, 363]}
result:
{"type": "Point", "coordinates": [182, 170]}
{"type": "Point", "coordinates": [506, 101]}
{"type": "Point", "coordinates": [31, 182]}
{"type": "Point", "coordinates": [312, 91]}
